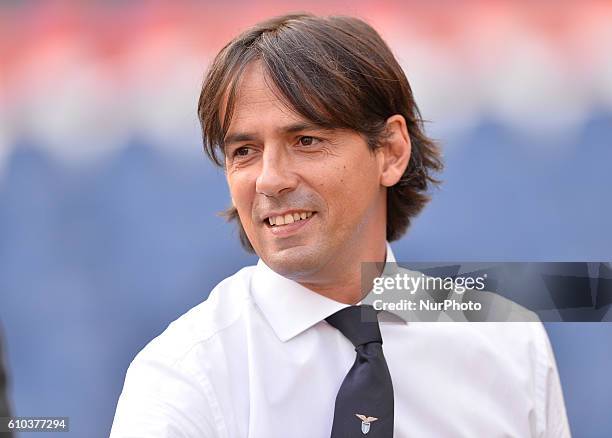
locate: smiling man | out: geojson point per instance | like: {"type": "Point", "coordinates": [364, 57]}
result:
{"type": "Point", "coordinates": [310, 197]}
{"type": "Point", "coordinates": [326, 160]}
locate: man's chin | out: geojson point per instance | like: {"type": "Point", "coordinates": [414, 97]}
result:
{"type": "Point", "coordinates": [293, 262]}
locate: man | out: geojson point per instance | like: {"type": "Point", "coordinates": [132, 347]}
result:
{"type": "Point", "coordinates": [322, 144]}
{"type": "Point", "coordinates": [5, 410]}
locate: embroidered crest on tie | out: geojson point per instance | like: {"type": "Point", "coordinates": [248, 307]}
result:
{"type": "Point", "coordinates": [367, 386]}
{"type": "Point", "coordinates": [365, 422]}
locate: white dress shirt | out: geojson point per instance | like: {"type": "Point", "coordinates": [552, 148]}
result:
{"type": "Point", "coordinates": [257, 359]}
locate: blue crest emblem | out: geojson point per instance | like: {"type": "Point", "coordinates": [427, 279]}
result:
{"type": "Point", "coordinates": [366, 422]}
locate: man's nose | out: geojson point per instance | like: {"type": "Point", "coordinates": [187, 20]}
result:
{"type": "Point", "coordinates": [276, 175]}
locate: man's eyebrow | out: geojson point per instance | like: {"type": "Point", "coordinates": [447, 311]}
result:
{"type": "Point", "coordinates": [292, 128]}
{"type": "Point", "coordinates": [238, 138]}
{"type": "Point", "coordinates": [297, 127]}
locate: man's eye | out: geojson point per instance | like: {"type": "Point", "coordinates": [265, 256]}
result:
{"type": "Point", "coordinates": [307, 141]}
{"type": "Point", "coordinates": [241, 151]}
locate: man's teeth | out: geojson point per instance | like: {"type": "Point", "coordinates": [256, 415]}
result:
{"type": "Point", "coordinates": [289, 218]}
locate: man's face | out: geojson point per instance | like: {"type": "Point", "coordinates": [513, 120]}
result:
{"type": "Point", "coordinates": [305, 196]}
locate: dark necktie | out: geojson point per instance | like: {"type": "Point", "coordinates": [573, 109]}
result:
{"type": "Point", "coordinates": [364, 404]}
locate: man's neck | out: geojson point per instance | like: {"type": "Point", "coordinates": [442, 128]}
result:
{"type": "Point", "coordinates": [349, 283]}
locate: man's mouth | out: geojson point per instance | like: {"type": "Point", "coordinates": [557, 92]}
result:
{"type": "Point", "coordinates": [288, 218]}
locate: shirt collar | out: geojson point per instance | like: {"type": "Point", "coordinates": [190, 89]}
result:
{"type": "Point", "coordinates": [291, 308]}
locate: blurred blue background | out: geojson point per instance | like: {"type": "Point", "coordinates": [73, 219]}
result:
{"type": "Point", "coordinates": [108, 224]}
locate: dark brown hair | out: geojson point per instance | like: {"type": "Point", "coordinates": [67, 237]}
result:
{"type": "Point", "coordinates": [336, 72]}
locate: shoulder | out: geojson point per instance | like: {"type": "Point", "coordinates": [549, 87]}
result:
{"type": "Point", "coordinates": [515, 350]}
{"type": "Point", "coordinates": [169, 386]}
{"type": "Point", "coordinates": [522, 353]}
{"type": "Point", "coordinates": [514, 340]}
{"type": "Point", "coordinates": [224, 307]}
{"type": "Point", "coordinates": [511, 359]}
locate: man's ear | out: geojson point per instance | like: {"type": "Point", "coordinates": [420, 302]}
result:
{"type": "Point", "coordinates": [395, 149]}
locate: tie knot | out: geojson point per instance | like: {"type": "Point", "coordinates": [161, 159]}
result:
{"type": "Point", "coordinates": [358, 323]}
